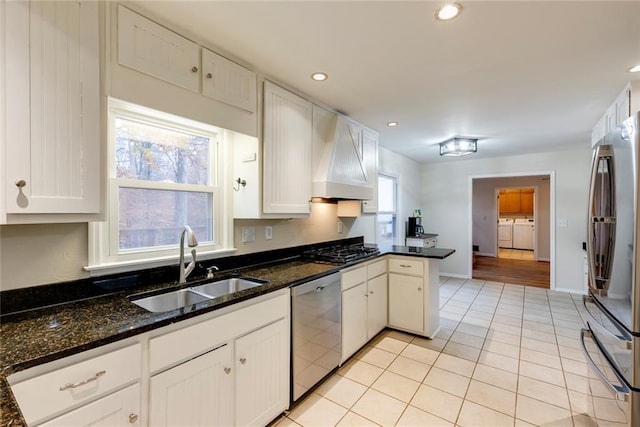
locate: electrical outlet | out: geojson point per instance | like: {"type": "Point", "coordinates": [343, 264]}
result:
{"type": "Point", "coordinates": [339, 227]}
{"type": "Point", "coordinates": [563, 223]}
{"type": "Point", "coordinates": [248, 234]}
{"type": "Point", "coordinates": [268, 232]}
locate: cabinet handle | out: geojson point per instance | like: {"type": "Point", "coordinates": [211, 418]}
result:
{"type": "Point", "coordinates": [21, 183]}
{"type": "Point", "coordinates": [81, 383]}
{"type": "Point", "coordinates": [209, 75]}
{"type": "Point", "coordinates": [243, 360]}
{"type": "Point", "coordinates": [227, 370]}
{"type": "Point", "coordinates": [133, 418]}
{"type": "Point", "coordinates": [194, 70]}
{"type": "Point", "coordinates": [404, 266]}
{"type": "Point", "coordinates": [371, 292]}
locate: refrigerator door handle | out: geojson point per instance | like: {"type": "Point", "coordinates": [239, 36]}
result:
{"type": "Point", "coordinates": [623, 338]}
{"type": "Point", "coordinates": [622, 391]}
{"type": "Point", "coordinates": [602, 219]}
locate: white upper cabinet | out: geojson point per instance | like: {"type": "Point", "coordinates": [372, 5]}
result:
{"type": "Point", "coordinates": [287, 148]}
{"type": "Point", "coordinates": [51, 111]}
{"type": "Point", "coordinates": [152, 49]}
{"type": "Point", "coordinates": [370, 147]}
{"type": "Point", "coordinates": [626, 104]}
{"type": "Point", "coordinates": [228, 82]}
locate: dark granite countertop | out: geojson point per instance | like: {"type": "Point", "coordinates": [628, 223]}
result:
{"type": "Point", "coordinates": [39, 336]}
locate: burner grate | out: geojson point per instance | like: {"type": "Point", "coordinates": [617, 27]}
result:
{"type": "Point", "coordinates": [341, 254]}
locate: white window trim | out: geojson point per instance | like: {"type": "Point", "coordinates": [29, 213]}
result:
{"type": "Point", "coordinates": [396, 180]}
{"type": "Point", "coordinates": [103, 236]}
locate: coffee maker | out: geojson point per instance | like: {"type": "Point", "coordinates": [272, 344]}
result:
{"type": "Point", "coordinates": [414, 227]}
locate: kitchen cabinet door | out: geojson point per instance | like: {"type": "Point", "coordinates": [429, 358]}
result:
{"type": "Point", "coordinates": [511, 201]}
{"type": "Point", "coordinates": [370, 143]}
{"type": "Point", "coordinates": [228, 82]}
{"type": "Point", "coordinates": [376, 305]}
{"type": "Point", "coordinates": [52, 113]}
{"type": "Point", "coordinates": [196, 393]}
{"type": "Point", "coordinates": [152, 49]}
{"type": "Point", "coordinates": [121, 409]}
{"type": "Point", "coordinates": [262, 374]}
{"type": "Point", "coordinates": [354, 319]}
{"type": "Point", "coordinates": [526, 201]}
{"type": "Point", "coordinates": [287, 150]}
{"type": "Point", "coordinates": [406, 302]}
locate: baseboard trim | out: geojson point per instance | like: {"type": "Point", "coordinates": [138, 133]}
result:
{"type": "Point", "coordinates": [455, 276]}
{"type": "Point", "coordinates": [571, 291]}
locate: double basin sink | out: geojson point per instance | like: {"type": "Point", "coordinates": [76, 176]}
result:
{"type": "Point", "coordinates": [187, 297]}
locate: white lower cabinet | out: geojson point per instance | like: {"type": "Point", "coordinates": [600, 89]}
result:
{"type": "Point", "coordinates": [414, 296]}
{"type": "Point", "coordinates": [406, 302]}
{"type": "Point", "coordinates": [354, 319]}
{"type": "Point", "coordinates": [228, 370]}
{"type": "Point", "coordinates": [250, 374]}
{"type": "Point", "coordinates": [376, 304]}
{"type": "Point", "coordinates": [119, 409]}
{"type": "Point", "coordinates": [364, 305]}
{"type": "Point", "coordinates": [262, 374]}
{"type": "Point", "coordinates": [196, 393]}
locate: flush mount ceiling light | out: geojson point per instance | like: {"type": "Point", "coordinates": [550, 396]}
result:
{"type": "Point", "coordinates": [635, 69]}
{"type": "Point", "coordinates": [448, 11]}
{"type": "Point", "coordinates": [319, 77]}
{"type": "Point", "coordinates": [392, 124]}
{"type": "Point", "coordinates": [458, 146]}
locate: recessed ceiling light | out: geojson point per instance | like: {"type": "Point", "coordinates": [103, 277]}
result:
{"type": "Point", "coordinates": [392, 124]}
{"type": "Point", "coordinates": [448, 11]}
{"type": "Point", "coordinates": [635, 69]}
{"type": "Point", "coordinates": [319, 77]}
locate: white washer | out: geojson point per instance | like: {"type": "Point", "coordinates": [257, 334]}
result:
{"type": "Point", "coordinates": [523, 234]}
{"type": "Point", "coordinates": [505, 232]}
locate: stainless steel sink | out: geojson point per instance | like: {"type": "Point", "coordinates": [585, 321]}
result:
{"type": "Point", "coordinates": [227, 286]}
{"type": "Point", "coordinates": [170, 300]}
{"type": "Point", "coordinates": [187, 297]}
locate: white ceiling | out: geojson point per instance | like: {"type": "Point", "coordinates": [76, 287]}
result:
{"type": "Point", "coordinates": [524, 76]}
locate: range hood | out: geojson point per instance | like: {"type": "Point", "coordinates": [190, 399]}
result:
{"type": "Point", "coordinates": [340, 172]}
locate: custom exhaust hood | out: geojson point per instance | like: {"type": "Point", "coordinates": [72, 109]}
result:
{"type": "Point", "coordinates": [340, 172]}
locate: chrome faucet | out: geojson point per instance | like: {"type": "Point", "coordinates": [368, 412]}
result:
{"type": "Point", "coordinates": [192, 242]}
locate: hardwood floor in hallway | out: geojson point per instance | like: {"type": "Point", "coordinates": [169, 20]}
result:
{"type": "Point", "coordinates": [515, 271]}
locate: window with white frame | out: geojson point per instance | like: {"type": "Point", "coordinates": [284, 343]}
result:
{"type": "Point", "coordinates": [387, 209]}
{"type": "Point", "coordinates": [164, 172]}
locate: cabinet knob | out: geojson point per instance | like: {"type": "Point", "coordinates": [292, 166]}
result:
{"type": "Point", "coordinates": [243, 360]}
{"type": "Point", "coordinates": [371, 292]}
{"type": "Point", "coordinates": [227, 370]}
{"type": "Point", "coordinates": [21, 183]}
{"type": "Point", "coordinates": [133, 418]}
{"type": "Point", "coordinates": [209, 75]}
{"type": "Point", "coordinates": [194, 70]}
{"type": "Point", "coordinates": [419, 289]}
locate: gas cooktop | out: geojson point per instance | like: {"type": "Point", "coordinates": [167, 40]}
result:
{"type": "Point", "coordinates": [340, 254]}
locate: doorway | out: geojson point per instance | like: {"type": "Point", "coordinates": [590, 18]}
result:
{"type": "Point", "coordinates": [530, 260]}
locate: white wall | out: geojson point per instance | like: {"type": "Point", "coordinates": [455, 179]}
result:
{"type": "Point", "coordinates": [446, 198]}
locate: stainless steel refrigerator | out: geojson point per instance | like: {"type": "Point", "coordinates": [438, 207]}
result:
{"type": "Point", "coordinates": [611, 340]}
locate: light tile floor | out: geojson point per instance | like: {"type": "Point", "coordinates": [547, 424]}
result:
{"type": "Point", "coordinates": [506, 355]}
{"type": "Point", "coordinates": [515, 254]}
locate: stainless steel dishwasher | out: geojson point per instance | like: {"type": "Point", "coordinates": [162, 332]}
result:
{"type": "Point", "coordinates": [316, 332]}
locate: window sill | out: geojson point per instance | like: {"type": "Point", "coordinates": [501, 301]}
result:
{"type": "Point", "coordinates": [140, 264]}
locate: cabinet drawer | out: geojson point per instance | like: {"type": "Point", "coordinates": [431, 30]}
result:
{"type": "Point", "coordinates": [53, 392]}
{"type": "Point", "coordinates": [406, 266]}
{"type": "Point", "coordinates": [353, 277]}
{"type": "Point", "coordinates": [377, 268]}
